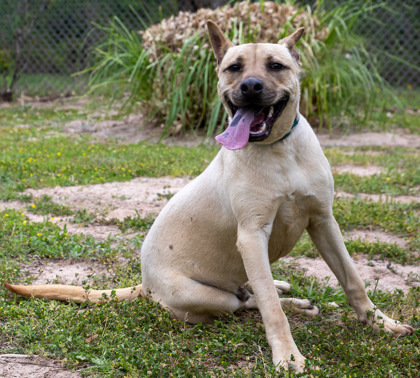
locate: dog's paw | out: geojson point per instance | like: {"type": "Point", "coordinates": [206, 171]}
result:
{"type": "Point", "coordinates": [394, 327]}
{"type": "Point", "coordinates": [383, 322]}
{"type": "Point", "coordinates": [403, 330]}
{"type": "Point", "coordinates": [306, 307]}
{"type": "Point", "coordinates": [282, 287]}
{"type": "Point", "coordinates": [299, 306]}
{"type": "Point", "coordinates": [297, 364]}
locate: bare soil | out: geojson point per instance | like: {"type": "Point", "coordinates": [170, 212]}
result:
{"type": "Point", "coordinates": [23, 366]}
{"type": "Point", "coordinates": [130, 129]}
{"type": "Point", "coordinates": [144, 195]}
{"type": "Point", "coordinates": [65, 272]}
{"type": "Point", "coordinates": [383, 198]}
{"type": "Point", "coordinates": [384, 275]}
{"type": "Point", "coordinates": [398, 139]}
{"type": "Point", "coordinates": [362, 171]}
{"type": "Point", "coordinates": [374, 236]}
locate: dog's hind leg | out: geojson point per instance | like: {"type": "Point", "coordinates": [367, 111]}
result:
{"type": "Point", "coordinates": [197, 302]}
{"type": "Point", "coordinates": [281, 286]}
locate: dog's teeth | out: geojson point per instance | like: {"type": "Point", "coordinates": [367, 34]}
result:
{"type": "Point", "coordinates": [270, 113]}
{"type": "Point", "coordinates": [264, 126]}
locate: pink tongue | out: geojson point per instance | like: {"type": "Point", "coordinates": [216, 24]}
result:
{"type": "Point", "coordinates": [236, 135]}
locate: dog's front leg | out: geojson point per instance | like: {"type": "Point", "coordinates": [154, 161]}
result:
{"type": "Point", "coordinates": [253, 247]}
{"type": "Point", "coordinates": [326, 236]}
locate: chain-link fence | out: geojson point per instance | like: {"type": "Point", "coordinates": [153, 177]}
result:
{"type": "Point", "coordinates": [44, 43]}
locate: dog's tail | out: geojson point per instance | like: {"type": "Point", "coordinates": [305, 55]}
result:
{"type": "Point", "coordinates": [68, 293]}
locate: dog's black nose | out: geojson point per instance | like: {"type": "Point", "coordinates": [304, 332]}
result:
{"type": "Point", "coordinates": [252, 87]}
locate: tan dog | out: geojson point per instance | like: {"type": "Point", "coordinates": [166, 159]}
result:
{"type": "Point", "coordinates": [247, 209]}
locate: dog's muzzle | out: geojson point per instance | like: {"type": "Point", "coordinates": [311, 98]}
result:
{"type": "Point", "coordinates": [251, 123]}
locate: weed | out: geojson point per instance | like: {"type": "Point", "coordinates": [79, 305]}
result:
{"type": "Point", "coordinates": [167, 195]}
{"type": "Point", "coordinates": [82, 217]}
{"type": "Point", "coordinates": [44, 206]}
{"type": "Point", "coordinates": [134, 224]}
{"type": "Point", "coordinates": [21, 238]}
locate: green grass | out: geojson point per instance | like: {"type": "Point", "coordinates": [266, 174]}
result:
{"type": "Point", "coordinates": [396, 218]}
{"type": "Point", "coordinates": [389, 251]}
{"type": "Point", "coordinates": [138, 338]}
{"type": "Point", "coordinates": [388, 184]}
{"type": "Point", "coordinates": [134, 224]}
{"type": "Point", "coordinates": [21, 239]}
{"type": "Point", "coordinates": [44, 206]}
{"type": "Point", "coordinates": [49, 85]}
{"type": "Point", "coordinates": [27, 161]}
{"type": "Point", "coordinates": [400, 166]}
{"type": "Point", "coordinates": [29, 115]}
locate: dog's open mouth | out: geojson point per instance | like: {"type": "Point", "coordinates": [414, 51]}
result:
{"type": "Point", "coordinates": [250, 124]}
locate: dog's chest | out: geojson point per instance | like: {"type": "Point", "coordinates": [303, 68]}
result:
{"type": "Point", "coordinates": [291, 220]}
{"type": "Point", "coordinates": [300, 197]}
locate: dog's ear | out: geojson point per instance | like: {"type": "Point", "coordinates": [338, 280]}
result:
{"type": "Point", "coordinates": [219, 41]}
{"type": "Point", "coordinates": [290, 42]}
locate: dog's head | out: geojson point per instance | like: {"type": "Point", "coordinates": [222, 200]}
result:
{"type": "Point", "coordinates": [258, 86]}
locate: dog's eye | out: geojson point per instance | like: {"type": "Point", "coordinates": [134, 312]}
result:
{"type": "Point", "coordinates": [234, 68]}
{"type": "Point", "coordinates": [276, 66]}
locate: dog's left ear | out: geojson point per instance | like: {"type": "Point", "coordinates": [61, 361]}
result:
{"type": "Point", "coordinates": [219, 41]}
{"type": "Point", "coordinates": [290, 42]}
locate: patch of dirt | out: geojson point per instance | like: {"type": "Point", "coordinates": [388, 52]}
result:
{"type": "Point", "coordinates": [362, 171]}
{"type": "Point", "coordinates": [98, 231]}
{"type": "Point", "coordinates": [65, 272]}
{"type": "Point", "coordinates": [370, 139]}
{"type": "Point", "coordinates": [391, 275]}
{"type": "Point", "coordinates": [142, 195]}
{"type": "Point", "coordinates": [131, 129]}
{"type": "Point", "coordinates": [380, 197]}
{"type": "Point", "coordinates": [374, 236]}
{"type": "Point", "coordinates": [60, 103]}
{"type": "Point", "coordinates": [12, 205]}
{"type": "Point", "coordinates": [117, 199]}
{"type": "Point", "coordinates": [23, 366]}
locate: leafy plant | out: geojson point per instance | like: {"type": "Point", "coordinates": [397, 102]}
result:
{"type": "Point", "coordinates": [178, 88]}
{"type": "Point", "coordinates": [340, 75]}
{"type": "Point", "coordinates": [44, 206]}
{"type": "Point", "coordinates": [136, 223]}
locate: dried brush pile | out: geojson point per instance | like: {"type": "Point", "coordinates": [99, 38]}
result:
{"type": "Point", "coordinates": [260, 22]}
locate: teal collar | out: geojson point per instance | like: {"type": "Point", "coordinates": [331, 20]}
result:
{"type": "Point", "coordinates": [295, 122]}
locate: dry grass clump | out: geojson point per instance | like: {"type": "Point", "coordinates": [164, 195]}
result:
{"type": "Point", "coordinates": [262, 22]}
